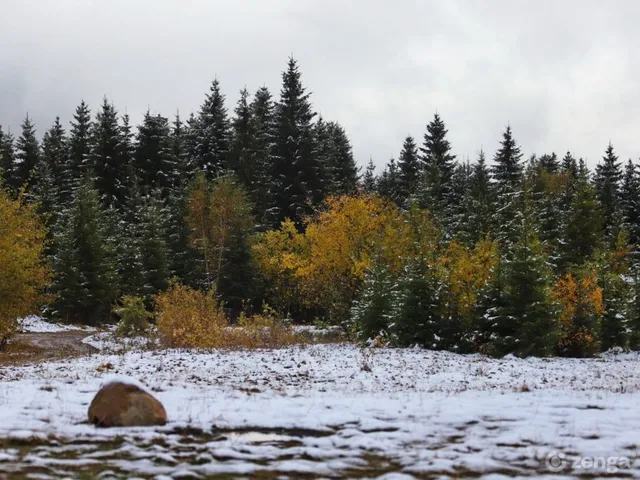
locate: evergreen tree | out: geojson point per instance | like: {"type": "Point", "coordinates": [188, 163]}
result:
{"type": "Point", "coordinates": [438, 165]}
{"type": "Point", "coordinates": [80, 144]}
{"type": "Point", "coordinates": [369, 184]}
{"type": "Point", "coordinates": [212, 132]}
{"type": "Point", "coordinates": [389, 182]}
{"type": "Point", "coordinates": [266, 185]}
{"type": "Point", "coordinates": [583, 224]}
{"type": "Point", "coordinates": [607, 182]}
{"type": "Point", "coordinates": [341, 167]}
{"type": "Point", "coordinates": [242, 158]}
{"type": "Point", "coordinates": [55, 153]}
{"type": "Point", "coordinates": [373, 311]}
{"type": "Point", "coordinates": [526, 321]}
{"type": "Point", "coordinates": [182, 258]}
{"type": "Point", "coordinates": [612, 263]}
{"type": "Point", "coordinates": [461, 201]}
{"type": "Point", "coordinates": [507, 174]}
{"type": "Point", "coordinates": [549, 162]}
{"type": "Point", "coordinates": [153, 161]}
{"type": "Point", "coordinates": [296, 181]}
{"type": "Point", "coordinates": [630, 202]}
{"type": "Point", "coordinates": [85, 283]}
{"type": "Point", "coordinates": [480, 207]}
{"type": "Point", "coordinates": [109, 166]}
{"type": "Point", "coordinates": [178, 153]}
{"type": "Point", "coordinates": [154, 253]}
{"type": "Point", "coordinates": [417, 307]}
{"type": "Point", "coordinates": [569, 165]}
{"type": "Point", "coordinates": [192, 146]}
{"type": "Point", "coordinates": [27, 155]}
{"type": "Point", "coordinates": [53, 182]}
{"type": "Point", "coordinates": [7, 158]}
{"type": "Point", "coordinates": [409, 170]}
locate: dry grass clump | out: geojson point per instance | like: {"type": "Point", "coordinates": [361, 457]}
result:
{"type": "Point", "coordinates": [190, 318]}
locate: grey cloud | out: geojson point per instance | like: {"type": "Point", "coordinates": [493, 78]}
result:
{"type": "Point", "coordinates": [561, 73]}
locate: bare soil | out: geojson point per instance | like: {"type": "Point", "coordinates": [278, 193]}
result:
{"type": "Point", "coordinates": [26, 348]}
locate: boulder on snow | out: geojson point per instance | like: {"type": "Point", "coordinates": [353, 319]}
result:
{"type": "Point", "coordinates": [119, 404]}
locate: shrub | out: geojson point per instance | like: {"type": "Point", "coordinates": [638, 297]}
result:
{"type": "Point", "coordinates": [189, 318]}
{"type": "Point", "coordinates": [23, 271]}
{"type": "Point", "coordinates": [262, 330]}
{"type": "Point", "coordinates": [134, 317]}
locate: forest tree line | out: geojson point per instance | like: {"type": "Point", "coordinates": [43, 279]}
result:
{"type": "Point", "coordinates": [266, 206]}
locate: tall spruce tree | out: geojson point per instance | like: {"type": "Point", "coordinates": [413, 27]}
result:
{"type": "Point", "coordinates": [55, 152]}
{"type": "Point", "coordinates": [80, 144]}
{"type": "Point", "coordinates": [507, 173]}
{"type": "Point", "coordinates": [630, 202]}
{"type": "Point", "coordinates": [438, 165]}
{"type": "Point", "coordinates": [526, 320]}
{"type": "Point", "coordinates": [583, 225]}
{"type": "Point", "coordinates": [109, 166]}
{"type": "Point", "coordinates": [607, 182]}
{"type": "Point", "coordinates": [154, 252]}
{"type": "Point", "coordinates": [27, 155]}
{"type": "Point", "coordinates": [341, 167]}
{"type": "Point", "coordinates": [178, 152]}
{"type": "Point", "coordinates": [152, 158]}
{"type": "Point", "coordinates": [297, 183]}
{"type": "Point", "coordinates": [479, 221]}
{"type": "Point", "coordinates": [265, 180]}
{"type": "Point", "coordinates": [242, 157]}
{"type": "Point", "coordinates": [212, 133]}
{"type": "Point", "coordinates": [409, 170]}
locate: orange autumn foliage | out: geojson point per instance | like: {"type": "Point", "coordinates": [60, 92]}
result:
{"type": "Point", "coordinates": [581, 309]}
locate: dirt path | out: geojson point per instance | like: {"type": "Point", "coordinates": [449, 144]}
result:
{"type": "Point", "coordinates": [37, 347]}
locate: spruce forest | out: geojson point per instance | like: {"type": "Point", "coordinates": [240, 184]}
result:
{"type": "Point", "coordinates": [263, 205]}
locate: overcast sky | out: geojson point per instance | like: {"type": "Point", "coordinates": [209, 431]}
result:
{"type": "Point", "coordinates": [564, 74]}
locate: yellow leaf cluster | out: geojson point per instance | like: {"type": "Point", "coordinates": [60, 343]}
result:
{"type": "Point", "coordinates": [187, 318]}
{"type": "Point", "coordinates": [466, 272]}
{"type": "Point", "coordinates": [578, 298]}
{"type": "Point", "coordinates": [325, 265]}
{"type": "Point", "coordinates": [23, 271]}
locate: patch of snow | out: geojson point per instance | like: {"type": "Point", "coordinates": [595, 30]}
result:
{"type": "Point", "coordinates": [313, 410]}
{"type": "Point", "coordinates": [35, 324]}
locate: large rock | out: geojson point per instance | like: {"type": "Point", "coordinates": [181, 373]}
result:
{"type": "Point", "coordinates": [120, 404]}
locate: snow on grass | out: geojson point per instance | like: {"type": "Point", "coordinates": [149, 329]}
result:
{"type": "Point", "coordinates": [35, 324]}
{"type": "Point", "coordinates": [331, 409]}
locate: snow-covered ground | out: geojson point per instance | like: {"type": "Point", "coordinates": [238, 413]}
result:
{"type": "Point", "coordinates": [330, 410]}
{"type": "Point", "coordinates": [35, 324]}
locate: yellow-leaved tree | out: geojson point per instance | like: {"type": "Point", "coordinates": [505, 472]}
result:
{"type": "Point", "coordinates": [219, 215]}
{"type": "Point", "coordinates": [581, 309]}
{"type": "Point", "coordinates": [24, 272]}
{"type": "Point", "coordinates": [467, 271]}
{"type": "Point", "coordinates": [326, 265]}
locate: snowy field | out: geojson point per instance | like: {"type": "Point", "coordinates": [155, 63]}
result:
{"type": "Point", "coordinates": [332, 411]}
